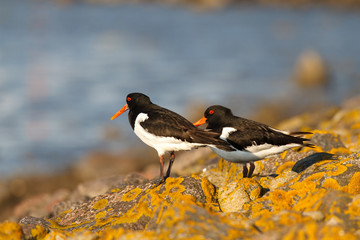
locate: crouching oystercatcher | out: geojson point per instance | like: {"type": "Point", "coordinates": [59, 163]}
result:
{"type": "Point", "coordinates": [165, 130]}
{"type": "Point", "coordinates": [250, 140]}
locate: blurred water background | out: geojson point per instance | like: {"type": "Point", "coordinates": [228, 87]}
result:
{"type": "Point", "coordinates": [66, 69]}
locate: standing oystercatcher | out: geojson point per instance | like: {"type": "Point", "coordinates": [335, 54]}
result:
{"type": "Point", "coordinates": [166, 131]}
{"type": "Point", "coordinates": [250, 140]}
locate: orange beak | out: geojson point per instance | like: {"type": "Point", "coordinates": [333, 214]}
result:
{"type": "Point", "coordinates": [121, 111]}
{"type": "Point", "coordinates": [200, 122]}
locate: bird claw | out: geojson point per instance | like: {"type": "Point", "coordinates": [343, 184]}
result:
{"type": "Point", "coordinates": [160, 181]}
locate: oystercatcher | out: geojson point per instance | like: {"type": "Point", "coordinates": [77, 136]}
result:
{"type": "Point", "coordinates": [166, 131]}
{"type": "Point", "coordinates": [250, 140]}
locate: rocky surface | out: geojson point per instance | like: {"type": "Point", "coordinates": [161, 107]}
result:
{"type": "Point", "coordinates": [309, 193]}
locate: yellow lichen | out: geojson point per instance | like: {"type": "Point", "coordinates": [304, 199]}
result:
{"type": "Point", "coordinates": [281, 200]}
{"type": "Point", "coordinates": [290, 235]}
{"type": "Point", "coordinates": [115, 190]}
{"type": "Point", "coordinates": [131, 195]}
{"type": "Point", "coordinates": [10, 230]}
{"type": "Point", "coordinates": [336, 232]}
{"type": "Point", "coordinates": [255, 193]}
{"type": "Point", "coordinates": [304, 186]}
{"type": "Point", "coordinates": [283, 155]}
{"type": "Point", "coordinates": [100, 214]}
{"type": "Point", "coordinates": [285, 166]}
{"type": "Point", "coordinates": [354, 209]}
{"type": "Point", "coordinates": [331, 183]}
{"type": "Point", "coordinates": [209, 192]}
{"type": "Point", "coordinates": [310, 201]}
{"type": "Point", "coordinates": [38, 232]}
{"type": "Point", "coordinates": [100, 204]}
{"type": "Point", "coordinates": [354, 185]}
{"type": "Point", "coordinates": [334, 169]}
{"type": "Point", "coordinates": [340, 150]}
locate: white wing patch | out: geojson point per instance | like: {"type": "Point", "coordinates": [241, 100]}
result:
{"type": "Point", "coordinates": [280, 131]}
{"type": "Point", "coordinates": [226, 132]}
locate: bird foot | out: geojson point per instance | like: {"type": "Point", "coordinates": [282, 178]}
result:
{"type": "Point", "coordinates": [160, 181]}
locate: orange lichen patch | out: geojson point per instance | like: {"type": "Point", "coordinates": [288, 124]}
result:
{"type": "Point", "coordinates": [311, 201]}
{"type": "Point", "coordinates": [354, 209]}
{"type": "Point", "coordinates": [331, 183]}
{"type": "Point", "coordinates": [355, 125]}
{"type": "Point", "coordinates": [307, 232]}
{"type": "Point", "coordinates": [334, 168]}
{"type": "Point", "coordinates": [315, 177]}
{"type": "Point", "coordinates": [288, 218]}
{"type": "Point", "coordinates": [290, 235]}
{"type": "Point", "coordinates": [230, 169]}
{"type": "Point", "coordinates": [56, 226]}
{"type": "Point", "coordinates": [10, 230]}
{"type": "Point", "coordinates": [100, 214]}
{"type": "Point", "coordinates": [283, 154]}
{"type": "Point", "coordinates": [315, 149]}
{"type": "Point", "coordinates": [354, 185]}
{"type": "Point", "coordinates": [264, 221]}
{"type": "Point", "coordinates": [56, 235]}
{"type": "Point", "coordinates": [340, 150]}
{"type": "Point", "coordinates": [174, 185]}
{"type": "Point", "coordinates": [284, 179]}
{"type": "Point", "coordinates": [287, 166]}
{"type": "Point", "coordinates": [259, 166]}
{"type": "Point", "coordinates": [65, 212]}
{"type": "Point", "coordinates": [233, 234]}
{"type": "Point", "coordinates": [115, 190]}
{"type": "Point", "coordinates": [131, 195]}
{"type": "Point", "coordinates": [255, 193]}
{"type": "Point", "coordinates": [281, 200]}
{"type": "Point", "coordinates": [233, 195]}
{"type": "Point", "coordinates": [100, 204]}
{"type": "Point", "coordinates": [209, 192]}
{"type": "Point", "coordinates": [152, 201]}
{"type": "Point", "coordinates": [336, 232]}
{"type": "Point", "coordinates": [38, 232]}
{"type": "Point", "coordinates": [323, 132]}
{"type": "Point", "coordinates": [304, 187]}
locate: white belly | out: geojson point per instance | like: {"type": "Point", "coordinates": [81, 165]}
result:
{"type": "Point", "coordinates": [161, 144]}
{"type": "Point", "coordinates": [253, 153]}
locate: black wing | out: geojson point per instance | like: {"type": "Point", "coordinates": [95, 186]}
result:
{"type": "Point", "coordinates": [166, 123]}
{"type": "Point", "coordinates": [251, 133]}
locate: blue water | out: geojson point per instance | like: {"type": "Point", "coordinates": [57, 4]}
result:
{"type": "Point", "coordinates": [64, 70]}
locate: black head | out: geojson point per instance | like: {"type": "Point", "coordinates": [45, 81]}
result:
{"type": "Point", "coordinates": [133, 100]}
{"type": "Point", "coordinates": [137, 99]}
{"type": "Point", "coordinates": [217, 115]}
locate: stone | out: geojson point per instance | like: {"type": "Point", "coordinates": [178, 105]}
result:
{"type": "Point", "coordinates": [304, 193]}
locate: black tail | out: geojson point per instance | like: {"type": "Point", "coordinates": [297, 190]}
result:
{"type": "Point", "coordinates": [299, 135]}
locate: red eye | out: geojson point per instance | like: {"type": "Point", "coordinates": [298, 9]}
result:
{"type": "Point", "coordinates": [128, 99]}
{"type": "Point", "coordinates": [211, 112]}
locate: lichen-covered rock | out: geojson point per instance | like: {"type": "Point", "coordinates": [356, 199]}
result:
{"type": "Point", "coordinates": [308, 193]}
{"type": "Point", "coordinates": [10, 231]}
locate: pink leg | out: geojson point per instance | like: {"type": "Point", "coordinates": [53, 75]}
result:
{"type": "Point", "coordinates": [171, 161]}
{"type": "Point", "coordinates": [245, 171]}
{"type": "Point", "coordinates": [252, 168]}
{"type": "Point", "coordinates": [161, 169]}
